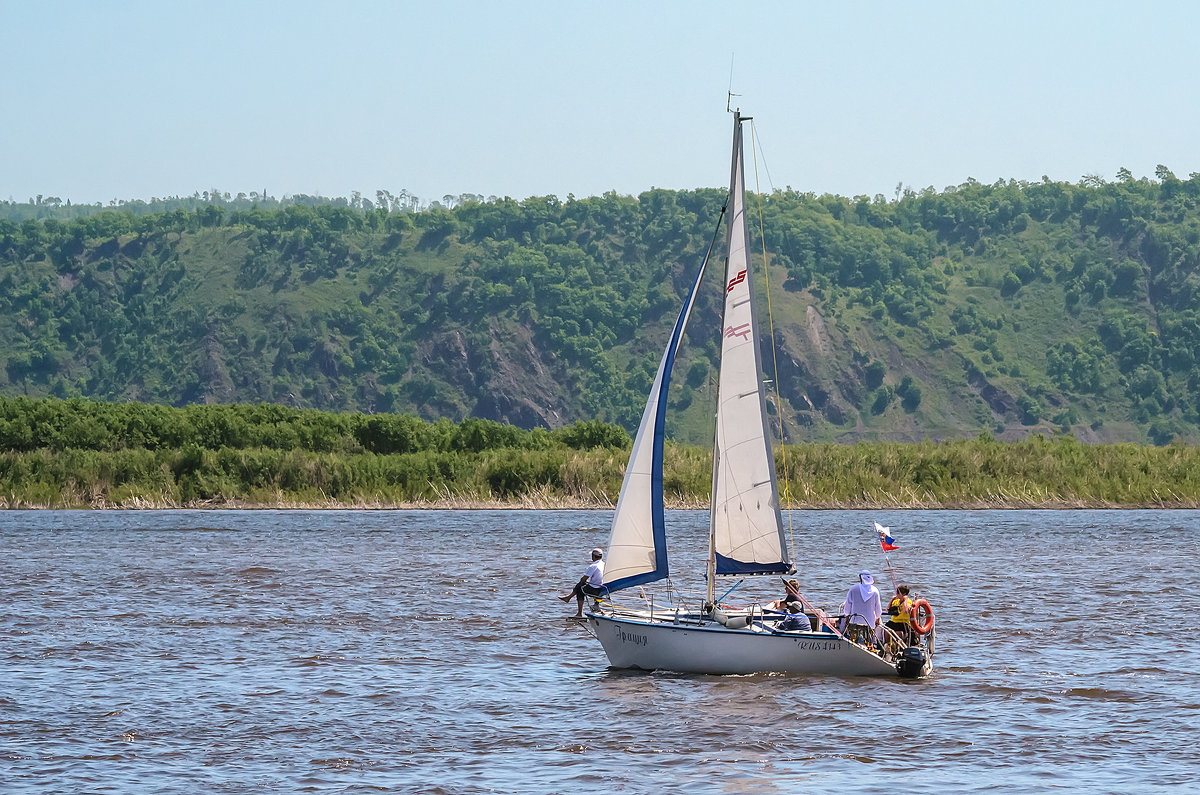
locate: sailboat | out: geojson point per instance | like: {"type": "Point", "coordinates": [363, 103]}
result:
{"type": "Point", "coordinates": [746, 535]}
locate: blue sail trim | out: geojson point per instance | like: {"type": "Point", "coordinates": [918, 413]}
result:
{"type": "Point", "coordinates": [658, 521]}
{"type": "Point", "coordinates": [659, 572]}
{"type": "Point", "coordinates": [730, 566]}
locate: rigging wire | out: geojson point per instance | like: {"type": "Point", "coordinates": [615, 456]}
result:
{"type": "Point", "coordinates": [759, 151]}
{"type": "Point", "coordinates": [774, 356]}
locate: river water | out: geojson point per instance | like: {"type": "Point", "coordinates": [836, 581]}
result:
{"type": "Point", "coordinates": [347, 651]}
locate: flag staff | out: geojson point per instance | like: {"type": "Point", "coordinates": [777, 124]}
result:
{"type": "Point", "coordinates": [888, 543]}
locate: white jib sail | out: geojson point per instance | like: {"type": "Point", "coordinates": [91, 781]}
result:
{"type": "Point", "coordinates": [746, 525]}
{"type": "Point", "coordinates": [637, 550]}
{"type": "Point", "coordinates": [632, 551]}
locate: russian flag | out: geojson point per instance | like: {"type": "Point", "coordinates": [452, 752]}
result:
{"type": "Point", "coordinates": [885, 540]}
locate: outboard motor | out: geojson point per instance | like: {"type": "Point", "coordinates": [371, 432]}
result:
{"type": "Point", "coordinates": [911, 663]}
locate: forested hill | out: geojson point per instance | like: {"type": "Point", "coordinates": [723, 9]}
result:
{"type": "Point", "coordinates": [1010, 308]}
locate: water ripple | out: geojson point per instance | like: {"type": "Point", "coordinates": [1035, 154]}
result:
{"type": "Point", "coordinates": [185, 651]}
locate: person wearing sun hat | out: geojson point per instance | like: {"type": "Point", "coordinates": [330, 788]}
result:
{"type": "Point", "coordinates": [791, 594]}
{"type": "Point", "coordinates": [863, 609]}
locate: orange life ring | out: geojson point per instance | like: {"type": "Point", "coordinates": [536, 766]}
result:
{"type": "Point", "coordinates": [922, 627]}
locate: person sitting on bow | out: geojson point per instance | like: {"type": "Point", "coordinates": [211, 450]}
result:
{"type": "Point", "coordinates": [590, 584]}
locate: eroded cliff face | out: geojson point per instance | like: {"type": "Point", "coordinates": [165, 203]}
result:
{"type": "Point", "coordinates": [504, 376]}
{"type": "Point", "coordinates": [842, 382]}
{"type": "Point", "coordinates": [836, 382]}
{"type": "Point", "coordinates": [522, 386]}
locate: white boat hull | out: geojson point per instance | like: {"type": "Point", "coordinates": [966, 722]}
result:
{"type": "Point", "coordinates": [713, 649]}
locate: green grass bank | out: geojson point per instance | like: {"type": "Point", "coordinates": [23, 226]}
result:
{"type": "Point", "coordinates": [87, 454]}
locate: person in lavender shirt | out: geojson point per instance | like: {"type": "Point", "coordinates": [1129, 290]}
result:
{"type": "Point", "coordinates": [863, 610]}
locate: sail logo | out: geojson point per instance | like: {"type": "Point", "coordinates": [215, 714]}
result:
{"type": "Point", "coordinates": [742, 331]}
{"type": "Point", "coordinates": [735, 281]}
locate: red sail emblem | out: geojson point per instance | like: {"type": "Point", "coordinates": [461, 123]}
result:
{"type": "Point", "coordinates": [735, 281]}
{"type": "Point", "coordinates": [742, 331]}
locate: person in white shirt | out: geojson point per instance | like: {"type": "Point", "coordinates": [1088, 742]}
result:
{"type": "Point", "coordinates": [862, 609]}
{"type": "Point", "coordinates": [590, 584]}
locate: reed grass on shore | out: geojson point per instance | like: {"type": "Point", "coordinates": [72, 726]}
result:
{"type": "Point", "coordinates": [981, 473]}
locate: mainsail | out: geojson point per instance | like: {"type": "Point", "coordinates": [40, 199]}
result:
{"type": "Point", "coordinates": [747, 531]}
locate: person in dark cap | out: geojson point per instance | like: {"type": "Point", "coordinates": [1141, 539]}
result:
{"type": "Point", "coordinates": [590, 584]}
{"type": "Point", "coordinates": [795, 620]}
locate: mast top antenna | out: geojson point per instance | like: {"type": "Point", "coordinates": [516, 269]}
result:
{"type": "Point", "coordinates": [729, 108]}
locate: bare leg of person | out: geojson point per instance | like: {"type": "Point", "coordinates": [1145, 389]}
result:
{"type": "Point", "coordinates": [575, 592]}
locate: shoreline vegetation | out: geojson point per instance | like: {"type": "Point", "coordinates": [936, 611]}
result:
{"type": "Point", "coordinates": [78, 453]}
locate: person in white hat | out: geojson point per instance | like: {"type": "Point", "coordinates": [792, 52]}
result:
{"type": "Point", "coordinates": [863, 609]}
{"type": "Point", "coordinates": [590, 584]}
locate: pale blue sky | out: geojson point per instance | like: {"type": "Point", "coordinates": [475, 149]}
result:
{"type": "Point", "coordinates": [103, 100]}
